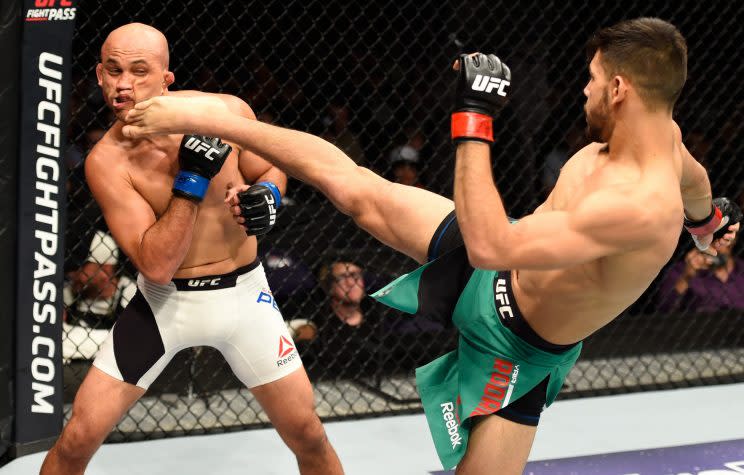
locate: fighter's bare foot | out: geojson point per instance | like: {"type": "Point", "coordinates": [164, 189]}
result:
{"type": "Point", "coordinates": [171, 115]}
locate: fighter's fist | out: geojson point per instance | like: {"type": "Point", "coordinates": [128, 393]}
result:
{"type": "Point", "coordinates": [721, 224]}
{"type": "Point", "coordinates": [482, 87]}
{"type": "Point", "coordinates": [200, 159]}
{"type": "Point", "coordinates": [258, 205]}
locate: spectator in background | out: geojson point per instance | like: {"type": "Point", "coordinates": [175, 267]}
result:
{"type": "Point", "coordinates": [343, 283]}
{"type": "Point", "coordinates": [336, 130]}
{"type": "Point", "coordinates": [94, 294]}
{"type": "Point", "coordinates": [349, 329]}
{"type": "Point", "coordinates": [704, 283]}
{"type": "Point", "coordinates": [352, 328]}
{"type": "Point", "coordinates": [405, 166]}
{"type": "Point", "coordinates": [359, 335]}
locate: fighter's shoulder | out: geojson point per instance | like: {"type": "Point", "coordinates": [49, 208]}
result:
{"type": "Point", "coordinates": [586, 154]}
{"type": "Point", "coordinates": [234, 103]}
{"type": "Point", "coordinates": [591, 150]}
{"type": "Point", "coordinates": [636, 205]}
{"type": "Point", "coordinates": [107, 157]}
{"type": "Point", "coordinates": [677, 132]}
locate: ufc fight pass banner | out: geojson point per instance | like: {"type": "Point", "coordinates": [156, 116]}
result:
{"type": "Point", "coordinates": [45, 80]}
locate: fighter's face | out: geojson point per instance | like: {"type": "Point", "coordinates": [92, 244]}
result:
{"type": "Point", "coordinates": [599, 121]}
{"type": "Point", "coordinates": [130, 76]}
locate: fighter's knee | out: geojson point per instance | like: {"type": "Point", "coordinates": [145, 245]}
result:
{"type": "Point", "coordinates": [79, 439]}
{"type": "Point", "coordinates": [355, 193]}
{"type": "Point", "coordinates": [307, 436]}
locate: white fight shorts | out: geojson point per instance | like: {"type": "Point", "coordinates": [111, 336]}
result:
{"type": "Point", "coordinates": [234, 313]}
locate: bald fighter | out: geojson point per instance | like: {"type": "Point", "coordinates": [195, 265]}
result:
{"type": "Point", "coordinates": [199, 282]}
{"type": "Point", "coordinates": [522, 294]}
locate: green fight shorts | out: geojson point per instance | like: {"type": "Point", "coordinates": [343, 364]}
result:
{"type": "Point", "coordinates": [491, 368]}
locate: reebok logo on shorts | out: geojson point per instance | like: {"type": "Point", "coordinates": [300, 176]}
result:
{"type": "Point", "coordinates": [285, 347]}
{"type": "Point", "coordinates": [451, 423]}
{"type": "Point", "coordinates": [499, 388]}
{"type": "Point", "coordinates": [287, 351]}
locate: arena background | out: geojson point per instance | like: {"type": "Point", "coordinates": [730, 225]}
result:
{"type": "Point", "coordinates": [374, 78]}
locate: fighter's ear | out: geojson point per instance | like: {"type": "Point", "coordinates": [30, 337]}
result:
{"type": "Point", "coordinates": [168, 79]}
{"type": "Point", "coordinates": [618, 89]}
{"type": "Point", "coordinates": [99, 74]}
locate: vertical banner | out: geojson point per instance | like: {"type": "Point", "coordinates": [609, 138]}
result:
{"type": "Point", "coordinates": [45, 80]}
{"type": "Point", "coordinates": [10, 76]}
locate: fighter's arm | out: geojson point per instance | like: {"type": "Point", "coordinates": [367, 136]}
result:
{"type": "Point", "coordinates": [694, 184]}
{"type": "Point", "coordinates": [607, 222]}
{"type": "Point", "coordinates": [156, 246]}
{"type": "Point", "coordinates": [255, 203]}
{"type": "Point", "coordinates": [699, 205]}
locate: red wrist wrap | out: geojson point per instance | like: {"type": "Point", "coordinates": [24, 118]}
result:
{"type": "Point", "coordinates": [472, 126]}
{"type": "Point", "coordinates": [710, 226]}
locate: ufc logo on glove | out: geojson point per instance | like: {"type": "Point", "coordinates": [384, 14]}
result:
{"type": "Point", "coordinates": [198, 146]}
{"type": "Point", "coordinates": [272, 209]}
{"type": "Point", "coordinates": [488, 84]}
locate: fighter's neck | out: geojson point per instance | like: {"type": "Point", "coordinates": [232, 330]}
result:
{"type": "Point", "coordinates": [642, 137]}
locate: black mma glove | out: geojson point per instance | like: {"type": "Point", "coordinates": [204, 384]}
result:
{"type": "Point", "coordinates": [480, 94]}
{"type": "Point", "coordinates": [200, 159]}
{"type": "Point", "coordinates": [258, 205]}
{"type": "Point", "coordinates": [724, 213]}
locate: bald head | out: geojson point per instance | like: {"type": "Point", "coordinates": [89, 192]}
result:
{"type": "Point", "coordinates": [137, 38]}
{"type": "Point", "coordinates": [133, 67]}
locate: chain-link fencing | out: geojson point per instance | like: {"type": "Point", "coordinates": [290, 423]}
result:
{"type": "Point", "coordinates": [374, 78]}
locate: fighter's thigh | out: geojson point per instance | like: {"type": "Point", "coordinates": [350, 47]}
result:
{"type": "Point", "coordinates": [99, 404]}
{"type": "Point", "coordinates": [497, 445]}
{"type": "Point", "coordinates": [260, 348]}
{"type": "Point", "coordinates": [403, 217]}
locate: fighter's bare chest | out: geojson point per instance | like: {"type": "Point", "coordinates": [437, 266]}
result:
{"type": "Point", "coordinates": [152, 171]}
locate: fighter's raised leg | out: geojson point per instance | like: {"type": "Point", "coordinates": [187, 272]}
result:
{"type": "Point", "coordinates": [402, 217]}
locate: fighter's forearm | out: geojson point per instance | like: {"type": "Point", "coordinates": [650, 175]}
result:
{"type": "Point", "coordinates": [165, 244]}
{"type": "Point", "coordinates": [275, 176]}
{"type": "Point", "coordinates": [697, 199]}
{"type": "Point", "coordinates": [696, 192]}
{"type": "Point", "coordinates": [480, 211]}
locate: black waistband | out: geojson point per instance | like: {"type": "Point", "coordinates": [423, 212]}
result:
{"type": "Point", "coordinates": [214, 282]}
{"type": "Point", "coordinates": [513, 319]}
